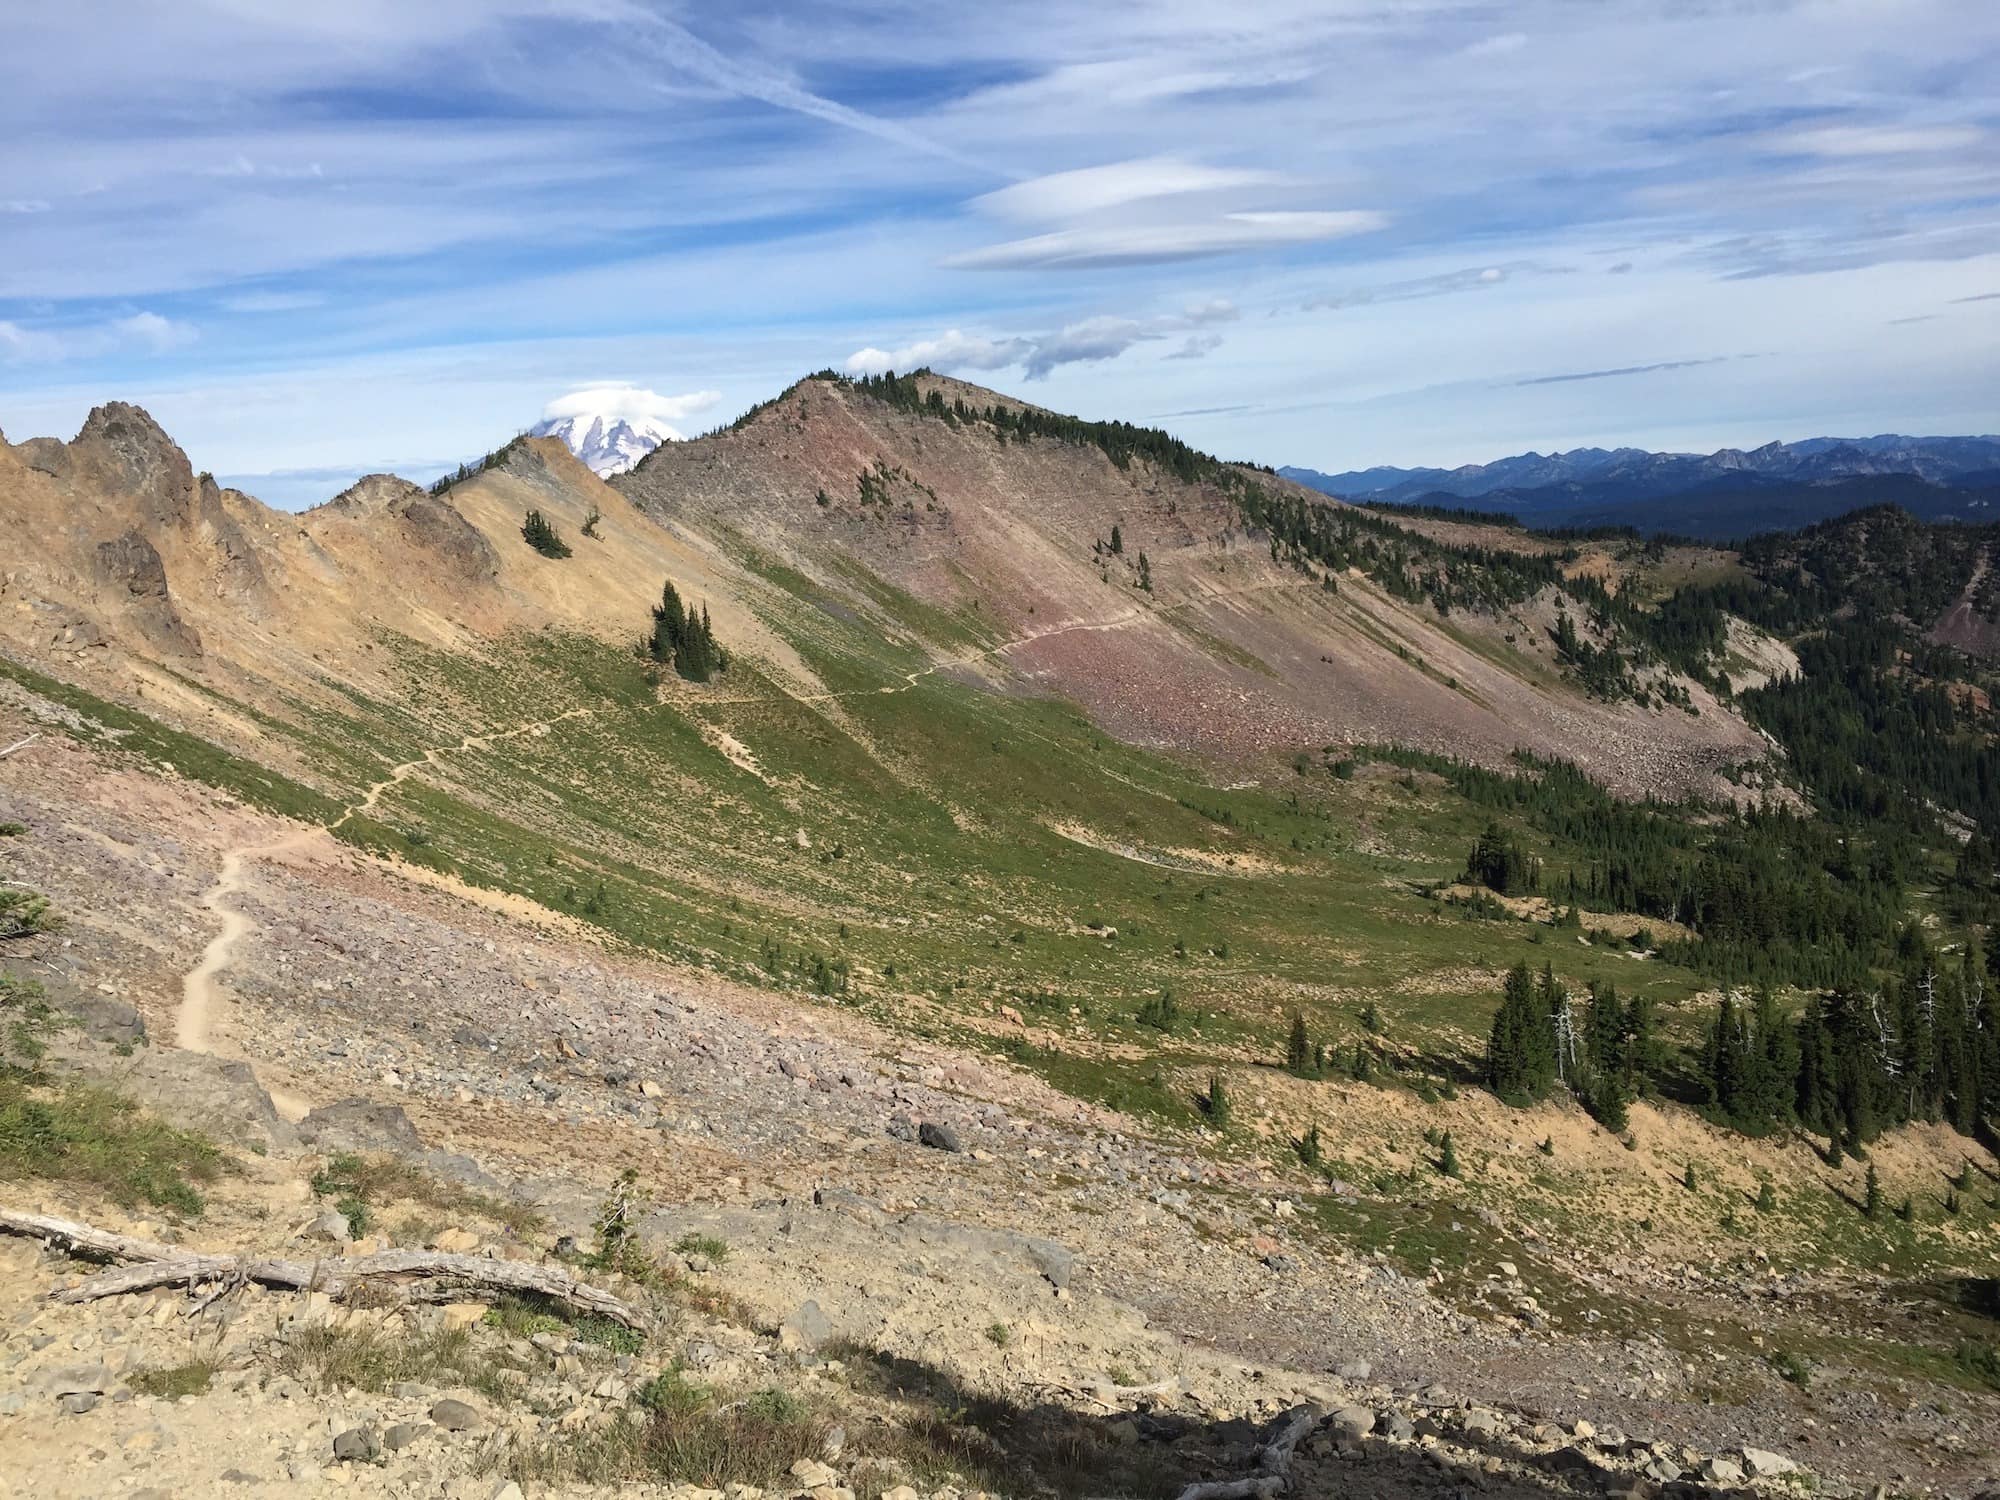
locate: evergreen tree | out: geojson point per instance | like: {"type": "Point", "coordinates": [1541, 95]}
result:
{"type": "Point", "coordinates": [539, 534]}
{"type": "Point", "coordinates": [683, 639]}
{"type": "Point", "coordinates": [1310, 1147]}
{"type": "Point", "coordinates": [1299, 1048]}
{"type": "Point", "coordinates": [1871, 1194]}
{"type": "Point", "coordinates": [1520, 1052]}
{"type": "Point", "coordinates": [1216, 1103]}
{"type": "Point", "coordinates": [1499, 864]}
{"type": "Point", "coordinates": [1117, 540]}
{"type": "Point", "coordinates": [1448, 1156]}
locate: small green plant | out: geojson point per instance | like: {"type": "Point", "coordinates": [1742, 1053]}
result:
{"type": "Point", "coordinates": [1162, 1012]}
{"type": "Point", "coordinates": [1980, 1362]}
{"type": "Point", "coordinates": [707, 1245]}
{"type": "Point", "coordinates": [1689, 1180]}
{"type": "Point", "coordinates": [1371, 1018]}
{"type": "Point", "coordinates": [1548, 1146]}
{"type": "Point", "coordinates": [1448, 1156]}
{"type": "Point", "coordinates": [1767, 1199]}
{"type": "Point", "coordinates": [1795, 1368]}
{"type": "Point", "coordinates": [671, 1391]}
{"type": "Point", "coordinates": [616, 1228]}
{"type": "Point", "coordinates": [999, 1335]}
{"type": "Point", "coordinates": [12, 830]}
{"type": "Point", "coordinates": [607, 1333]}
{"type": "Point", "coordinates": [172, 1382]}
{"type": "Point", "coordinates": [328, 1357]}
{"type": "Point", "coordinates": [777, 1406]}
{"type": "Point", "coordinates": [590, 524]}
{"type": "Point", "coordinates": [539, 534]}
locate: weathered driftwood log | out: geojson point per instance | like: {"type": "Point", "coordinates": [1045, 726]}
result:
{"type": "Point", "coordinates": [166, 1265]}
{"type": "Point", "coordinates": [1273, 1462]}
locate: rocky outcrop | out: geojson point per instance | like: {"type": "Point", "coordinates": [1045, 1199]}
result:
{"type": "Point", "coordinates": [130, 567]}
{"type": "Point", "coordinates": [128, 453]}
{"type": "Point", "coordinates": [428, 523]}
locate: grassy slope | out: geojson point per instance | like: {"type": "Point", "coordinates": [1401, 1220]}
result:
{"type": "Point", "coordinates": [958, 846]}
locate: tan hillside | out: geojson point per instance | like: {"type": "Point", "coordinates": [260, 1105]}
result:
{"type": "Point", "coordinates": [1229, 653]}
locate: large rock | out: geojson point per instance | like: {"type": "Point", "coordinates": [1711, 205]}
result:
{"type": "Point", "coordinates": [807, 1328]}
{"type": "Point", "coordinates": [939, 1136]}
{"type": "Point", "coordinates": [361, 1125]}
{"type": "Point", "coordinates": [1763, 1463]}
{"type": "Point", "coordinates": [1352, 1423]}
{"type": "Point", "coordinates": [105, 1019]}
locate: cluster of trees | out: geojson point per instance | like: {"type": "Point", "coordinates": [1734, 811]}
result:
{"type": "Point", "coordinates": [538, 533]}
{"type": "Point", "coordinates": [1923, 1044]}
{"type": "Point", "coordinates": [1121, 442]}
{"type": "Point", "coordinates": [684, 640]}
{"type": "Point", "coordinates": [1541, 1043]}
{"type": "Point", "coordinates": [1499, 863]}
{"type": "Point", "coordinates": [1771, 896]}
{"type": "Point", "coordinates": [464, 472]}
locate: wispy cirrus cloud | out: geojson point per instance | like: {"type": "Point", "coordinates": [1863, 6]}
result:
{"type": "Point", "coordinates": [145, 332]}
{"type": "Point", "coordinates": [1442, 284]}
{"type": "Point", "coordinates": [1086, 341]}
{"type": "Point", "coordinates": [717, 197]}
{"type": "Point", "coordinates": [1624, 370]}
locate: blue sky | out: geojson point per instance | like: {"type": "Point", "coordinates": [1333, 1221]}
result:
{"type": "Point", "coordinates": [319, 240]}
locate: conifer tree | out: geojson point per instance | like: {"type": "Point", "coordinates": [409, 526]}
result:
{"type": "Point", "coordinates": [1520, 1052]}
{"type": "Point", "coordinates": [1299, 1048]}
{"type": "Point", "coordinates": [539, 534]}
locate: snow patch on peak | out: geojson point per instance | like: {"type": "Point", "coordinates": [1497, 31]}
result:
{"type": "Point", "coordinates": [612, 427]}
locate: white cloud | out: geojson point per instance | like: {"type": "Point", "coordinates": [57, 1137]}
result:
{"type": "Point", "coordinates": [1142, 244]}
{"type": "Point", "coordinates": [1085, 341]}
{"type": "Point", "coordinates": [1881, 140]}
{"type": "Point", "coordinates": [1068, 195]}
{"type": "Point", "coordinates": [1150, 210]}
{"type": "Point", "coordinates": [147, 332]}
{"type": "Point", "coordinates": [25, 206]}
{"type": "Point", "coordinates": [273, 302]}
{"type": "Point", "coordinates": [621, 400]}
{"type": "Point", "coordinates": [241, 166]}
{"type": "Point", "coordinates": [1443, 284]}
{"type": "Point", "coordinates": [153, 331]}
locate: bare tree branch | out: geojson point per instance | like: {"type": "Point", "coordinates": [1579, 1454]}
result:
{"type": "Point", "coordinates": [165, 1265]}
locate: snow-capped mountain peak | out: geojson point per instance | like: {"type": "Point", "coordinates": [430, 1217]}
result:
{"type": "Point", "coordinates": [608, 443]}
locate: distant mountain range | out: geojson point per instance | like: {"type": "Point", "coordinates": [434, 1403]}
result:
{"type": "Point", "coordinates": [1723, 495]}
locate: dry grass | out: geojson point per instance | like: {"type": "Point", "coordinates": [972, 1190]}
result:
{"type": "Point", "coordinates": [337, 1357]}
{"type": "Point", "coordinates": [360, 1184]}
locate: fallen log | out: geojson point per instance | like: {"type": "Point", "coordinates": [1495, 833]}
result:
{"type": "Point", "coordinates": [153, 1265]}
{"type": "Point", "coordinates": [1273, 1462]}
